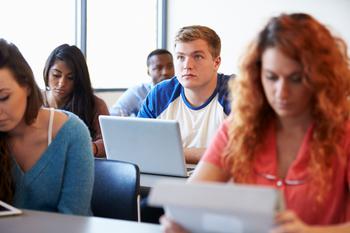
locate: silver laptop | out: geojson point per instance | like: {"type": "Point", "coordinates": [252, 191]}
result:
{"type": "Point", "coordinates": [152, 144]}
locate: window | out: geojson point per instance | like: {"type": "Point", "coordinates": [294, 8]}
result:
{"type": "Point", "coordinates": [120, 34]}
{"type": "Point", "coordinates": [37, 27]}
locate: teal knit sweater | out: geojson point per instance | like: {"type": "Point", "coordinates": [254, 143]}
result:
{"type": "Point", "coordinates": [62, 179]}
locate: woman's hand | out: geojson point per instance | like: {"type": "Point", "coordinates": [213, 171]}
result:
{"type": "Point", "coordinates": [168, 226]}
{"type": "Point", "coordinates": [289, 222]}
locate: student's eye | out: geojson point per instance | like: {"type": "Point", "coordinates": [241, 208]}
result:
{"type": "Point", "coordinates": [158, 68]}
{"type": "Point", "coordinates": [271, 77]}
{"type": "Point", "coordinates": [71, 78]}
{"type": "Point", "coordinates": [56, 75]}
{"type": "Point", "coordinates": [4, 98]}
{"type": "Point", "coordinates": [180, 58]}
{"type": "Point", "coordinates": [296, 78]}
{"type": "Point", "coordinates": [198, 57]}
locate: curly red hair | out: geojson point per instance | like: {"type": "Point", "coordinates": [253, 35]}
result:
{"type": "Point", "coordinates": [325, 64]}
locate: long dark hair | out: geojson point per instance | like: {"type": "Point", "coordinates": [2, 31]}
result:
{"type": "Point", "coordinates": [12, 59]}
{"type": "Point", "coordinates": [82, 100]}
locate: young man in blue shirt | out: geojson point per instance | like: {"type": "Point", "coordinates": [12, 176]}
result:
{"type": "Point", "coordinates": [197, 97]}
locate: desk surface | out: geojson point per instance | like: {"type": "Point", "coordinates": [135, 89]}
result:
{"type": "Point", "coordinates": [44, 222]}
{"type": "Point", "coordinates": [148, 180]}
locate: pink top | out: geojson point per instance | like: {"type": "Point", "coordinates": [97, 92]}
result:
{"type": "Point", "coordinates": [298, 193]}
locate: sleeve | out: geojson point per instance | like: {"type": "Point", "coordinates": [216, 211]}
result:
{"type": "Point", "coordinates": [147, 109]}
{"type": "Point", "coordinates": [224, 92]}
{"type": "Point", "coordinates": [214, 152]}
{"type": "Point", "coordinates": [102, 109]}
{"type": "Point", "coordinates": [78, 178]}
{"type": "Point", "coordinates": [127, 104]}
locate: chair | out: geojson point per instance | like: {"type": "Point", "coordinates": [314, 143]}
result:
{"type": "Point", "coordinates": [116, 190]}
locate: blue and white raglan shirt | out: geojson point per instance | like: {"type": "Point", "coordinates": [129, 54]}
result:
{"type": "Point", "coordinates": [197, 124]}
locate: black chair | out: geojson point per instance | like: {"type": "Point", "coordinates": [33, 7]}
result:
{"type": "Point", "coordinates": [116, 190]}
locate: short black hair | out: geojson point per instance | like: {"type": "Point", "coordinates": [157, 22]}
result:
{"type": "Point", "coordinates": [157, 52]}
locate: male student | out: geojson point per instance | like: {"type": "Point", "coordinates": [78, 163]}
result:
{"type": "Point", "coordinates": [197, 97]}
{"type": "Point", "coordinates": [160, 66]}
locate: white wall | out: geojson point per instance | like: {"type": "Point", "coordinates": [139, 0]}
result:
{"type": "Point", "coordinates": [238, 21]}
{"type": "Point", "coordinates": [110, 97]}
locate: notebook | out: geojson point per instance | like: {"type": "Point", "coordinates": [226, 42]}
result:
{"type": "Point", "coordinates": [152, 144]}
{"type": "Point", "coordinates": [218, 207]}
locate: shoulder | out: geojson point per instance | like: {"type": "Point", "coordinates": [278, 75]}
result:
{"type": "Point", "coordinates": [58, 120]}
{"type": "Point", "coordinates": [74, 139]}
{"type": "Point", "coordinates": [101, 106]}
{"type": "Point", "coordinates": [63, 122]}
{"type": "Point", "coordinates": [142, 87]}
{"type": "Point", "coordinates": [160, 97]}
{"type": "Point", "coordinates": [224, 91]}
{"type": "Point", "coordinates": [224, 128]}
{"type": "Point", "coordinates": [223, 81]}
{"type": "Point", "coordinates": [99, 101]}
{"type": "Point", "coordinates": [166, 90]}
{"type": "Point", "coordinates": [67, 123]}
{"type": "Point", "coordinates": [136, 92]}
{"type": "Point", "coordinates": [139, 91]}
{"type": "Point", "coordinates": [214, 152]}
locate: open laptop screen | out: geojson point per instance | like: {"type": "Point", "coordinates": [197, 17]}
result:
{"type": "Point", "coordinates": [152, 144]}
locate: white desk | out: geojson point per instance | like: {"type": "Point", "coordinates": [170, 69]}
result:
{"type": "Point", "coordinates": [148, 180]}
{"type": "Point", "coordinates": [44, 222]}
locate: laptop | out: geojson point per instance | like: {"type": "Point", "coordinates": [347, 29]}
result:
{"type": "Point", "coordinates": [152, 144]}
{"type": "Point", "coordinates": [218, 207]}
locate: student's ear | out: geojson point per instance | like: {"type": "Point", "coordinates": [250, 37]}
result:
{"type": "Point", "coordinates": [217, 62]}
{"type": "Point", "coordinates": [148, 72]}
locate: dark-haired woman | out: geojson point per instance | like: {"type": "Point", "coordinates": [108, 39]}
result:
{"type": "Point", "coordinates": [68, 87]}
